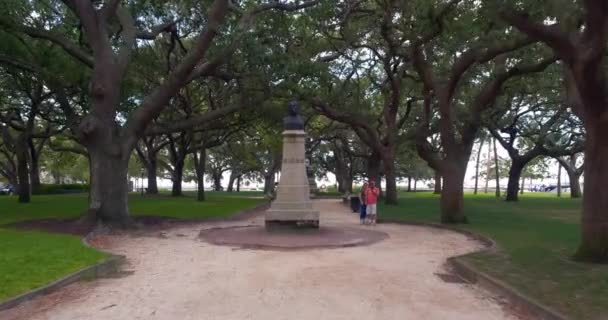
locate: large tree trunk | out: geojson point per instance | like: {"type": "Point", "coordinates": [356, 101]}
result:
{"type": "Point", "coordinates": [152, 179]}
{"type": "Point", "coordinates": [108, 197]}
{"type": "Point", "coordinates": [388, 160]}
{"type": "Point", "coordinates": [477, 166]}
{"type": "Point", "coordinates": [151, 168]}
{"type": "Point", "coordinates": [216, 175]}
{"type": "Point", "coordinates": [35, 176]}
{"type": "Point", "coordinates": [177, 177]}
{"type": "Point", "coordinates": [177, 148]}
{"type": "Point", "coordinates": [231, 181]}
{"type": "Point", "coordinates": [574, 175]}
{"type": "Point", "coordinates": [373, 168]}
{"type": "Point", "coordinates": [34, 166]}
{"type": "Point", "coordinates": [594, 226]}
{"type": "Point", "coordinates": [488, 170]}
{"type": "Point", "coordinates": [200, 187]}
{"type": "Point", "coordinates": [269, 183]}
{"type": "Point", "coordinates": [575, 185]}
{"type": "Point", "coordinates": [496, 170]}
{"type": "Point", "coordinates": [517, 166]}
{"type": "Point", "coordinates": [149, 158]}
{"type": "Point", "coordinates": [409, 184]}
{"type": "Point", "coordinates": [200, 163]}
{"type": "Point", "coordinates": [559, 180]}
{"type": "Point", "coordinates": [452, 195]}
{"type": "Point", "coordinates": [345, 183]}
{"type": "Point", "coordinates": [56, 176]}
{"type": "Point", "coordinates": [437, 183]}
{"type": "Point", "coordinates": [238, 183]}
{"type": "Point", "coordinates": [340, 181]}
{"type": "Point", "coordinates": [340, 170]}
{"type": "Point", "coordinates": [348, 184]}
{"type": "Point", "coordinates": [23, 188]}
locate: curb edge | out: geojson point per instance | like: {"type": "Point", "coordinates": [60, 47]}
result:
{"type": "Point", "coordinates": [473, 276]}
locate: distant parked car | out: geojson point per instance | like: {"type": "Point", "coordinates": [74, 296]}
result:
{"type": "Point", "coordinates": [7, 189]}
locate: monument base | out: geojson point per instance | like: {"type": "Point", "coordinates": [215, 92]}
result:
{"type": "Point", "coordinates": [291, 219]}
{"type": "Point", "coordinates": [290, 225]}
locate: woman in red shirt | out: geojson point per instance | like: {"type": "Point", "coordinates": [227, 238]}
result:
{"type": "Point", "coordinates": [371, 199]}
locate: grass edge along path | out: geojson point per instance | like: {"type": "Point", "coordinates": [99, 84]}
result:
{"type": "Point", "coordinates": [31, 259]}
{"type": "Point", "coordinates": [535, 237]}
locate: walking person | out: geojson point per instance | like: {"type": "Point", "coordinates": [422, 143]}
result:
{"type": "Point", "coordinates": [371, 200]}
{"type": "Point", "coordinates": [363, 204]}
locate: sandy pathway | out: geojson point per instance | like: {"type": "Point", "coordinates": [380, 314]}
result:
{"type": "Point", "coordinates": [181, 277]}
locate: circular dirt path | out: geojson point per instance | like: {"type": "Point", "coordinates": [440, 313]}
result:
{"type": "Point", "coordinates": [174, 275]}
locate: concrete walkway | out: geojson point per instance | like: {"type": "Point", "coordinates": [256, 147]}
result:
{"type": "Point", "coordinates": [178, 276]}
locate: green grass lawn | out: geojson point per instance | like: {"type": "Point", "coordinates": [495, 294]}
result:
{"type": "Point", "coordinates": [31, 259]}
{"type": "Point", "coordinates": [536, 237]}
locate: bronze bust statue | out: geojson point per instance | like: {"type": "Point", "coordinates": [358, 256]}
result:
{"type": "Point", "coordinates": [293, 121]}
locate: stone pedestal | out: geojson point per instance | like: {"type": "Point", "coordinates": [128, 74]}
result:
{"type": "Point", "coordinates": [292, 207]}
{"type": "Point", "coordinates": [309, 173]}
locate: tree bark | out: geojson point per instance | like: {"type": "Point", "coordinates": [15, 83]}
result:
{"type": "Point", "coordinates": [373, 168]}
{"type": "Point", "coordinates": [109, 187]}
{"type": "Point", "coordinates": [574, 174]}
{"type": "Point", "coordinates": [177, 178]}
{"type": "Point", "coordinates": [200, 163]}
{"type": "Point", "coordinates": [559, 180]}
{"type": "Point", "coordinates": [56, 177]}
{"type": "Point", "coordinates": [348, 182]}
{"type": "Point", "coordinates": [523, 182]}
{"type": "Point", "coordinates": [517, 166]}
{"type": "Point", "coordinates": [345, 183]}
{"type": "Point", "coordinates": [231, 181]}
{"type": "Point", "coordinates": [409, 184]}
{"type": "Point", "coordinates": [452, 195]}
{"type": "Point", "coordinates": [594, 227]}
{"type": "Point", "coordinates": [497, 171]}
{"type": "Point", "coordinates": [269, 183]}
{"type": "Point", "coordinates": [200, 187]}
{"type": "Point", "coordinates": [177, 148]}
{"type": "Point", "coordinates": [340, 181]}
{"type": "Point", "coordinates": [149, 157]}
{"type": "Point", "coordinates": [437, 183]}
{"type": "Point", "coordinates": [340, 169]}
{"type": "Point", "coordinates": [151, 168]}
{"type": "Point", "coordinates": [216, 175]}
{"type": "Point", "coordinates": [391, 196]}
{"type": "Point", "coordinates": [238, 183]}
{"type": "Point", "coordinates": [488, 169]}
{"type": "Point", "coordinates": [23, 189]}
{"type": "Point", "coordinates": [575, 185]}
{"type": "Point", "coordinates": [34, 166]}
{"type": "Point", "coordinates": [477, 166]}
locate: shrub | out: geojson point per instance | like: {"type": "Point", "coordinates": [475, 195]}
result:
{"type": "Point", "coordinates": [63, 188]}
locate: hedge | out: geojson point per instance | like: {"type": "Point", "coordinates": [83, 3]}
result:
{"type": "Point", "coordinates": [62, 188]}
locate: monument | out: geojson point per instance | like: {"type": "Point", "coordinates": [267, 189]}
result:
{"type": "Point", "coordinates": [292, 206]}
